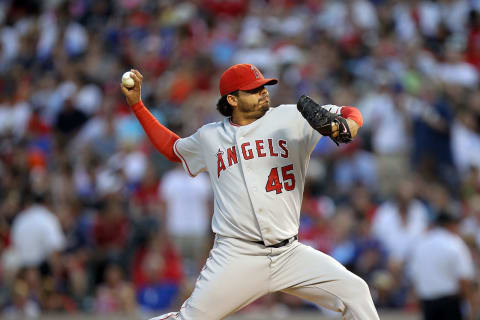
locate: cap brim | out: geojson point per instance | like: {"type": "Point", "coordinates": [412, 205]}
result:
{"type": "Point", "coordinates": [258, 83]}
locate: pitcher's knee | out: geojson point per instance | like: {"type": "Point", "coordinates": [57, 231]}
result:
{"type": "Point", "coordinates": [357, 288]}
{"type": "Point", "coordinates": [189, 312]}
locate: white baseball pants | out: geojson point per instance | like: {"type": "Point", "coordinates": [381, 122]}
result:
{"type": "Point", "coordinates": [238, 272]}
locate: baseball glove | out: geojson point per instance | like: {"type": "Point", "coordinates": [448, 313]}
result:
{"type": "Point", "coordinates": [322, 120]}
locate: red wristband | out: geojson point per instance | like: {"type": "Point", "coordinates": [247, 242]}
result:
{"type": "Point", "coordinates": [352, 113]}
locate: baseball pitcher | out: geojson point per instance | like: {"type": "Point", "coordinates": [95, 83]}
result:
{"type": "Point", "coordinates": [257, 158]}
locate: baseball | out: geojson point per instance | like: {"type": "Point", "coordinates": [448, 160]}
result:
{"type": "Point", "coordinates": [127, 81]}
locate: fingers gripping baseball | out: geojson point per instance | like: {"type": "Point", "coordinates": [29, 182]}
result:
{"type": "Point", "coordinates": [133, 95]}
{"type": "Point", "coordinates": [325, 122]}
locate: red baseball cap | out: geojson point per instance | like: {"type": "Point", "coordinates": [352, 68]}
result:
{"type": "Point", "coordinates": [243, 77]}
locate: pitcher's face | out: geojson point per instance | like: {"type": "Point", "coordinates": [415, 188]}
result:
{"type": "Point", "coordinates": [256, 101]}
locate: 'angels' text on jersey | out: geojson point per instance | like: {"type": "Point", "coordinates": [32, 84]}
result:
{"type": "Point", "coordinates": [251, 150]}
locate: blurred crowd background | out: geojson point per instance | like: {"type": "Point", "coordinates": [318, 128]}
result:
{"type": "Point", "coordinates": [94, 219]}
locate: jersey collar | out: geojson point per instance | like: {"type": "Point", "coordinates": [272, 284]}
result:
{"type": "Point", "coordinates": [229, 119]}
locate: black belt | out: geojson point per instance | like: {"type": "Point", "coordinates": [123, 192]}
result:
{"type": "Point", "coordinates": [280, 244]}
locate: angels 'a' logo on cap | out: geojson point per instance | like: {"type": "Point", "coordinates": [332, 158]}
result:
{"type": "Point", "coordinates": [255, 71]}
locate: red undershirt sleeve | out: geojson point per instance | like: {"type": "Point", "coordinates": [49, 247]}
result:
{"type": "Point", "coordinates": [162, 138]}
{"type": "Point", "coordinates": [352, 113]}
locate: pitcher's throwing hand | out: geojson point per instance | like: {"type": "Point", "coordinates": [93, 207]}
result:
{"type": "Point", "coordinates": [133, 95]}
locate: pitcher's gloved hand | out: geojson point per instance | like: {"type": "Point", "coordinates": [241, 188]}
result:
{"type": "Point", "coordinates": [325, 122]}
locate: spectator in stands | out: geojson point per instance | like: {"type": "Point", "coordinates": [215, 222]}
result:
{"type": "Point", "coordinates": [69, 120]}
{"type": "Point", "coordinates": [110, 232]}
{"type": "Point", "coordinates": [444, 278]}
{"type": "Point", "coordinates": [466, 136]}
{"type": "Point", "coordinates": [187, 215]}
{"type": "Point", "coordinates": [37, 236]}
{"type": "Point", "coordinates": [157, 273]}
{"type": "Point", "coordinates": [470, 225]}
{"type": "Point", "coordinates": [115, 294]}
{"type": "Point", "coordinates": [22, 306]}
{"type": "Point", "coordinates": [388, 121]}
{"type": "Point", "coordinates": [432, 120]}
{"type": "Point", "coordinates": [399, 223]}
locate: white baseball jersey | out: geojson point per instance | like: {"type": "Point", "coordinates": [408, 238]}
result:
{"type": "Point", "coordinates": [257, 172]}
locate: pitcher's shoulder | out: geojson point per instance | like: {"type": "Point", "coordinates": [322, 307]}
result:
{"type": "Point", "coordinates": [211, 127]}
{"type": "Point", "coordinates": [286, 108]}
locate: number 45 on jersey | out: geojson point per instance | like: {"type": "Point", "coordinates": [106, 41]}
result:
{"type": "Point", "coordinates": [287, 178]}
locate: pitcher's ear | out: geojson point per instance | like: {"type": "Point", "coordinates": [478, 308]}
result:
{"type": "Point", "coordinates": [232, 100]}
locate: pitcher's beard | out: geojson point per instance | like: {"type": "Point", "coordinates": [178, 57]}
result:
{"type": "Point", "coordinates": [265, 105]}
{"type": "Point", "coordinates": [263, 108]}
